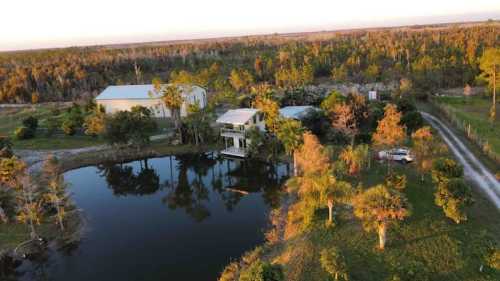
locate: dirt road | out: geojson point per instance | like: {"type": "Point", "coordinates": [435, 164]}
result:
{"type": "Point", "coordinates": [474, 170]}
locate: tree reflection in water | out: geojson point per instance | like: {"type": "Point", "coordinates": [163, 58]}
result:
{"type": "Point", "coordinates": [192, 175]}
{"type": "Point", "coordinates": [190, 195]}
{"type": "Point", "coordinates": [122, 180]}
{"type": "Point", "coordinates": [195, 184]}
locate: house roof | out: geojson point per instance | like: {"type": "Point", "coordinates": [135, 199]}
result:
{"type": "Point", "coordinates": [125, 92]}
{"type": "Point", "coordinates": [296, 112]}
{"type": "Point", "coordinates": [237, 116]}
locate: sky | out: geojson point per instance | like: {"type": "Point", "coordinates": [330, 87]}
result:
{"type": "Point", "coordinates": [33, 24]}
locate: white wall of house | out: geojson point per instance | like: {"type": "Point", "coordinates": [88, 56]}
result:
{"type": "Point", "coordinates": [155, 105]}
{"type": "Point", "coordinates": [196, 95]}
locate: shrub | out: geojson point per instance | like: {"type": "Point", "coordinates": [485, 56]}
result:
{"type": "Point", "coordinates": [135, 127]}
{"type": "Point", "coordinates": [395, 181]}
{"type": "Point", "coordinates": [262, 271]}
{"type": "Point", "coordinates": [444, 169]}
{"type": "Point", "coordinates": [23, 133]}
{"type": "Point", "coordinates": [253, 255]}
{"type": "Point", "coordinates": [453, 195]}
{"type": "Point", "coordinates": [412, 120]}
{"type": "Point", "coordinates": [30, 123]}
{"type": "Point", "coordinates": [95, 124]}
{"type": "Point", "coordinates": [69, 127]}
{"type": "Point", "coordinates": [72, 120]}
{"type": "Point", "coordinates": [333, 262]}
{"type": "Point", "coordinates": [5, 147]}
{"type": "Point", "coordinates": [498, 176]}
{"type": "Point", "coordinates": [494, 259]}
{"type": "Point", "coordinates": [230, 272]}
{"type": "Point", "coordinates": [35, 97]}
{"type": "Point", "coordinates": [406, 105]}
{"type": "Point", "coordinates": [273, 272]}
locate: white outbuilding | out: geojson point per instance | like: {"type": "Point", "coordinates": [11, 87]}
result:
{"type": "Point", "coordinates": [124, 97]}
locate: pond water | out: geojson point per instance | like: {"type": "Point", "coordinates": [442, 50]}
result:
{"type": "Point", "coordinates": [169, 218]}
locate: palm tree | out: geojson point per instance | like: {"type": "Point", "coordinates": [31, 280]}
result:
{"type": "Point", "coordinates": [335, 192]}
{"type": "Point", "coordinates": [378, 208]}
{"type": "Point", "coordinates": [290, 135]}
{"type": "Point", "coordinates": [171, 96]}
{"type": "Point", "coordinates": [173, 100]}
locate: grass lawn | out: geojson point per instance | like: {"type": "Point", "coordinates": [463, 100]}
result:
{"type": "Point", "coordinates": [427, 246]}
{"type": "Point", "coordinates": [57, 142]}
{"type": "Point", "coordinates": [11, 118]}
{"type": "Point", "coordinates": [475, 111]}
{"type": "Point", "coordinates": [13, 234]}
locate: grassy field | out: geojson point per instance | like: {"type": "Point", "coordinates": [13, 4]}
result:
{"type": "Point", "coordinates": [11, 118]}
{"type": "Point", "coordinates": [427, 246]}
{"type": "Point", "coordinates": [12, 235]}
{"type": "Point", "coordinates": [463, 111]}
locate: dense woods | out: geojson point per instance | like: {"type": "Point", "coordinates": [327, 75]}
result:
{"type": "Point", "coordinates": [430, 57]}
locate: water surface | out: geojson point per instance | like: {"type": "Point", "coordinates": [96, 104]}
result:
{"type": "Point", "coordinates": [169, 218]}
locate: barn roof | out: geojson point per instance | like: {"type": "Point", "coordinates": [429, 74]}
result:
{"type": "Point", "coordinates": [237, 116]}
{"type": "Point", "coordinates": [125, 92]}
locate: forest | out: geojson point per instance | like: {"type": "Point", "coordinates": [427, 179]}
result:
{"type": "Point", "coordinates": [430, 57]}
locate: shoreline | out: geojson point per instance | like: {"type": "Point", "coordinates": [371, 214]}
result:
{"type": "Point", "coordinates": [82, 157]}
{"type": "Point", "coordinates": [71, 159]}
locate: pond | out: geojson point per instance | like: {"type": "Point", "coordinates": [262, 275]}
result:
{"type": "Point", "coordinates": [170, 218]}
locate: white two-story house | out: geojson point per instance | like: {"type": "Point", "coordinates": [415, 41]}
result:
{"type": "Point", "coordinates": [235, 125]}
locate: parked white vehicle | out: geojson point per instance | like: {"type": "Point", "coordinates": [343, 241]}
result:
{"type": "Point", "coordinates": [402, 155]}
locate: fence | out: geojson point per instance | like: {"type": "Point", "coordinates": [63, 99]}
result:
{"type": "Point", "coordinates": [450, 114]}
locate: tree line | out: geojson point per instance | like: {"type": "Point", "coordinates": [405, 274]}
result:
{"type": "Point", "coordinates": [429, 57]}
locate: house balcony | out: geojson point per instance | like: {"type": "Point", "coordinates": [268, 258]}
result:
{"type": "Point", "coordinates": [232, 133]}
{"type": "Point", "coordinates": [235, 151]}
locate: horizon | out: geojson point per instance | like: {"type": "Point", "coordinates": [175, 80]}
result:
{"type": "Point", "coordinates": [44, 31]}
